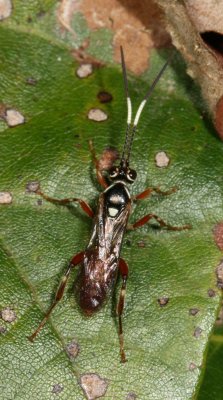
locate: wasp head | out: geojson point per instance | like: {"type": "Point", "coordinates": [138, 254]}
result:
{"type": "Point", "coordinates": [123, 173]}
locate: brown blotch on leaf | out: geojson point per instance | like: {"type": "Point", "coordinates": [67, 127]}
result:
{"type": "Point", "coordinates": [104, 97]}
{"type": "Point", "coordinates": [219, 273]}
{"type": "Point", "coordinates": [218, 232]}
{"type": "Point", "coordinates": [192, 366]}
{"type": "Point", "coordinates": [211, 293]}
{"type": "Point", "coordinates": [57, 388]}
{"type": "Point", "coordinates": [197, 332]}
{"type": "Point", "coordinates": [2, 330]}
{"type": "Point", "coordinates": [141, 244]}
{"type": "Point", "coordinates": [32, 186]}
{"type": "Point", "coordinates": [31, 81]}
{"type": "Point", "coordinates": [107, 159]}
{"type": "Point", "coordinates": [131, 396]}
{"type": "Point", "coordinates": [8, 315]}
{"type": "Point", "coordinates": [193, 311]}
{"type": "Point", "coordinates": [163, 301]}
{"type": "Point", "coordinates": [73, 349]}
{"type": "Point", "coordinates": [93, 385]}
{"type": "Point", "coordinates": [137, 25]}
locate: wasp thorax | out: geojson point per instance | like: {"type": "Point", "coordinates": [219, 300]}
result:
{"type": "Point", "coordinates": [123, 173]}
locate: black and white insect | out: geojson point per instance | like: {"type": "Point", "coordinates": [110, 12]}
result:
{"type": "Point", "coordinates": [101, 261]}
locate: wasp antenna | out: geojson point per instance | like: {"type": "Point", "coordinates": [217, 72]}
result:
{"type": "Point", "coordinates": [129, 103]}
{"type": "Point", "coordinates": [148, 94]}
{"type": "Point", "coordinates": [129, 106]}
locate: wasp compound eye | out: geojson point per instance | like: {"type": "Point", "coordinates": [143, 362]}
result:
{"type": "Point", "coordinates": [131, 175]}
{"type": "Point", "coordinates": [114, 172]}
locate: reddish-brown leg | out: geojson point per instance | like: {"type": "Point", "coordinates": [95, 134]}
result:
{"type": "Point", "coordinates": [123, 267]}
{"type": "Point", "coordinates": [146, 193]}
{"type": "Point", "coordinates": [85, 207]}
{"type": "Point", "coordinates": [100, 177]}
{"type": "Point", "coordinates": [77, 259]}
{"type": "Point", "coordinates": [148, 217]}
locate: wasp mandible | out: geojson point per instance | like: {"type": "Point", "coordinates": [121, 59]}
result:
{"type": "Point", "coordinates": [101, 261]}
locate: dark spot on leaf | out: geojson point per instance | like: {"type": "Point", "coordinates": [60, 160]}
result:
{"type": "Point", "coordinates": [73, 349]}
{"type": "Point", "coordinates": [107, 159]}
{"type": "Point", "coordinates": [104, 97]}
{"type": "Point", "coordinates": [193, 311]}
{"type": "Point", "coordinates": [192, 366]}
{"type": "Point", "coordinates": [131, 396]}
{"type": "Point", "coordinates": [41, 13]}
{"type": "Point", "coordinates": [128, 243]}
{"type": "Point", "coordinates": [2, 330]}
{"type": "Point", "coordinates": [211, 293]}
{"type": "Point", "coordinates": [93, 385]}
{"type": "Point", "coordinates": [219, 273]}
{"type": "Point", "coordinates": [32, 186]}
{"type": "Point", "coordinates": [141, 244]}
{"type": "Point", "coordinates": [31, 81]}
{"type": "Point", "coordinates": [8, 315]}
{"type": "Point", "coordinates": [163, 301]}
{"type": "Point", "coordinates": [197, 332]}
{"type": "Point", "coordinates": [57, 388]}
{"type": "Point", "coordinates": [29, 20]}
{"type": "Point", "coordinates": [218, 235]}
{"type": "Point", "coordinates": [39, 202]}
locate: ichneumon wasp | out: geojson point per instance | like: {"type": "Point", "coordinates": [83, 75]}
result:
{"type": "Point", "coordinates": [101, 261]}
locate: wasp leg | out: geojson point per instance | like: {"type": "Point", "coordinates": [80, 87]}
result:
{"type": "Point", "coordinates": [123, 267]}
{"type": "Point", "coordinates": [85, 207]}
{"type": "Point", "coordinates": [146, 193]}
{"type": "Point", "coordinates": [100, 177]}
{"type": "Point", "coordinates": [77, 259]}
{"type": "Point", "coordinates": [148, 217]}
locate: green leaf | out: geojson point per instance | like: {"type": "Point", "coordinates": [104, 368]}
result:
{"type": "Point", "coordinates": [165, 346]}
{"type": "Point", "coordinates": [211, 384]}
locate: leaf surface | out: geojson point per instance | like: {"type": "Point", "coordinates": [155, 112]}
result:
{"type": "Point", "coordinates": [165, 346]}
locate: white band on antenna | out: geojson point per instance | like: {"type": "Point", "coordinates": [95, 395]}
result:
{"type": "Point", "coordinates": [139, 111]}
{"type": "Point", "coordinates": [129, 116]}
